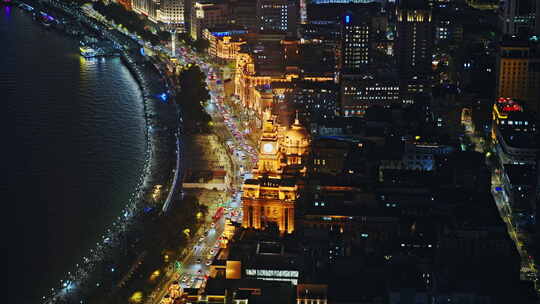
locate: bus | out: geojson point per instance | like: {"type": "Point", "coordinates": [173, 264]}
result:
{"type": "Point", "coordinates": [218, 214]}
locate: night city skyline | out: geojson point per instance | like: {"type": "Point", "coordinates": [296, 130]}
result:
{"type": "Point", "coordinates": [273, 151]}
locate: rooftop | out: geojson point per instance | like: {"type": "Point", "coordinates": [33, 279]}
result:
{"type": "Point", "coordinates": [520, 174]}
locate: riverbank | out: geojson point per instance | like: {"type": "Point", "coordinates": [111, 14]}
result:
{"type": "Point", "coordinates": [110, 258]}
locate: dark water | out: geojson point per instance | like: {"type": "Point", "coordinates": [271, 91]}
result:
{"type": "Point", "coordinates": [76, 155]}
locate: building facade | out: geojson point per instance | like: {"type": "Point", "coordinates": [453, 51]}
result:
{"type": "Point", "coordinates": [171, 12]}
{"type": "Point", "coordinates": [359, 92]}
{"type": "Point", "coordinates": [519, 72]}
{"type": "Point", "coordinates": [519, 17]}
{"type": "Point", "coordinates": [277, 15]}
{"type": "Point", "coordinates": [356, 42]}
{"type": "Point", "coordinates": [270, 198]}
{"type": "Point", "coordinates": [414, 45]}
{"type": "Point", "coordinates": [206, 14]}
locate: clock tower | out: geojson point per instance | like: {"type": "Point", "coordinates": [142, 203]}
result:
{"type": "Point", "coordinates": [270, 155]}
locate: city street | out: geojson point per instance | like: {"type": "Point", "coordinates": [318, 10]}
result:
{"type": "Point", "coordinates": [194, 269]}
{"type": "Point", "coordinates": [528, 269]}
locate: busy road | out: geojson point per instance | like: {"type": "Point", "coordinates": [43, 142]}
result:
{"type": "Point", "coordinates": [195, 267]}
{"type": "Point", "coordinates": [528, 272]}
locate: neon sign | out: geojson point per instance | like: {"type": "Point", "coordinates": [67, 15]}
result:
{"type": "Point", "coordinates": [229, 33]}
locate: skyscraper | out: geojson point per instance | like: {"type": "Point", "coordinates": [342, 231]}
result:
{"type": "Point", "coordinates": [518, 17]}
{"type": "Point", "coordinates": [148, 8]}
{"type": "Point", "coordinates": [355, 42]}
{"type": "Point", "coordinates": [518, 65]}
{"type": "Point", "coordinates": [414, 45]}
{"type": "Point", "coordinates": [277, 15]}
{"type": "Point", "coordinates": [172, 12]}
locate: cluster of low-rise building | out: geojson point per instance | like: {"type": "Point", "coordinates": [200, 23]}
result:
{"type": "Point", "coordinates": [362, 193]}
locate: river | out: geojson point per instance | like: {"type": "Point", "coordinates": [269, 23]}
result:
{"type": "Point", "coordinates": [78, 148]}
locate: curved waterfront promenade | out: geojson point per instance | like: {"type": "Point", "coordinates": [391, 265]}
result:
{"type": "Point", "coordinates": [75, 280]}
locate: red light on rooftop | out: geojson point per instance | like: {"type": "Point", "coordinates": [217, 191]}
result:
{"type": "Point", "coordinates": [512, 108]}
{"type": "Point", "coordinates": [504, 100]}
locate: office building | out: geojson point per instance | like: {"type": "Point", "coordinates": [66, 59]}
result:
{"type": "Point", "coordinates": [514, 133]}
{"type": "Point", "coordinates": [171, 12]}
{"type": "Point", "coordinates": [414, 44]}
{"type": "Point", "coordinates": [278, 15]}
{"type": "Point", "coordinates": [225, 42]}
{"type": "Point", "coordinates": [355, 42]}
{"type": "Point", "coordinates": [518, 66]}
{"type": "Point", "coordinates": [518, 17]}
{"type": "Point", "coordinates": [149, 8]}
{"type": "Point", "coordinates": [244, 14]}
{"type": "Point", "coordinates": [207, 14]}
{"type": "Point", "coordinates": [361, 91]}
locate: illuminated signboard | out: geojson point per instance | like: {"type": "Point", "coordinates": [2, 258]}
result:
{"type": "Point", "coordinates": [229, 33]}
{"type": "Point", "coordinates": [506, 105]}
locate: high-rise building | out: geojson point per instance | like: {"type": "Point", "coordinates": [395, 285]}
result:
{"type": "Point", "coordinates": [414, 44]}
{"type": "Point", "coordinates": [172, 12]}
{"type": "Point", "coordinates": [244, 13]}
{"type": "Point", "coordinates": [518, 17]}
{"type": "Point", "coordinates": [355, 42]}
{"type": "Point", "coordinates": [206, 14]}
{"type": "Point", "coordinates": [359, 92]}
{"type": "Point", "coordinates": [277, 15]}
{"type": "Point", "coordinates": [519, 72]}
{"type": "Point", "coordinates": [514, 133]}
{"type": "Point", "coordinates": [149, 8]}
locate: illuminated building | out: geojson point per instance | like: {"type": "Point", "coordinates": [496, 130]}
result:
{"type": "Point", "coordinates": [358, 92]}
{"type": "Point", "coordinates": [355, 39]}
{"type": "Point", "coordinates": [260, 67]}
{"type": "Point", "coordinates": [270, 197]}
{"type": "Point", "coordinates": [225, 43]}
{"type": "Point", "coordinates": [414, 43]}
{"type": "Point", "coordinates": [172, 12]}
{"type": "Point", "coordinates": [277, 15]}
{"type": "Point", "coordinates": [314, 101]}
{"type": "Point", "coordinates": [519, 72]}
{"type": "Point", "coordinates": [207, 14]}
{"type": "Point", "coordinates": [126, 4]}
{"type": "Point", "coordinates": [518, 17]}
{"type": "Point", "coordinates": [447, 29]}
{"type": "Point", "coordinates": [418, 156]}
{"type": "Point", "coordinates": [514, 133]}
{"type": "Point", "coordinates": [484, 4]}
{"type": "Point", "coordinates": [149, 8]}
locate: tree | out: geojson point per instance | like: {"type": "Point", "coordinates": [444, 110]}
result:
{"type": "Point", "coordinates": [192, 96]}
{"type": "Point", "coordinates": [164, 35]}
{"type": "Point", "coordinates": [201, 45]}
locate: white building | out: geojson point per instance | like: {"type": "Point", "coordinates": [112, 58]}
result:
{"type": "Point", "coordinates": [172, 12]}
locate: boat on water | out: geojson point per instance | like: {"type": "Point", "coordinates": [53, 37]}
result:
{"type": "Point", "coordinates": [88, 52]}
